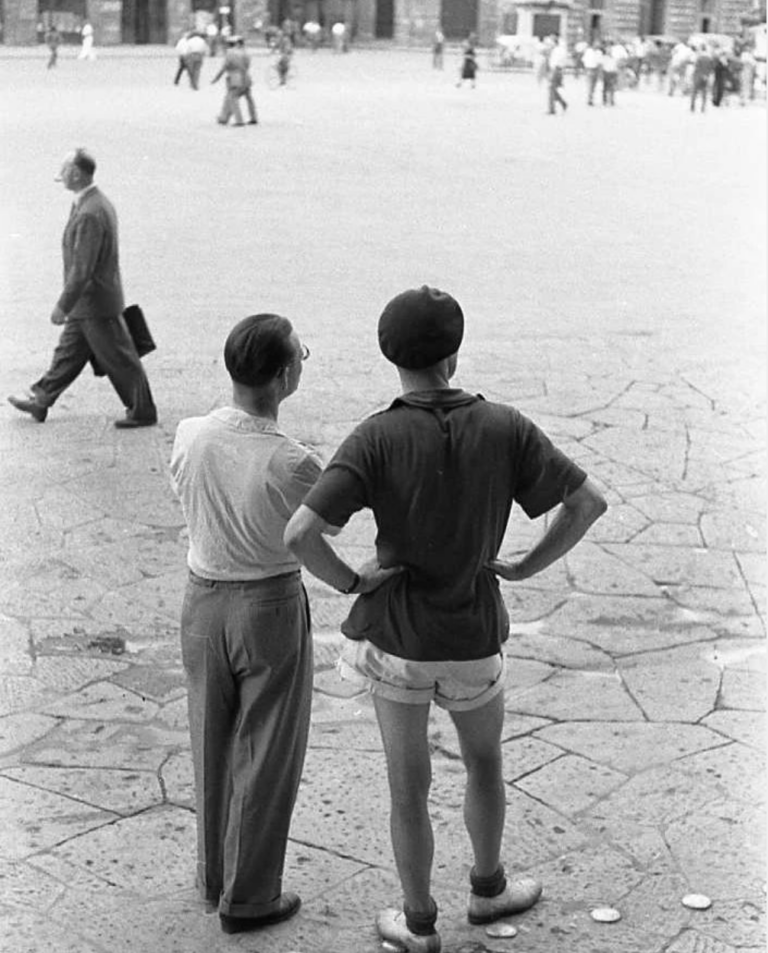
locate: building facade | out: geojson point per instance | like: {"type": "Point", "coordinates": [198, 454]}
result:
{"type": "Point", "coordinates": [404, 22]}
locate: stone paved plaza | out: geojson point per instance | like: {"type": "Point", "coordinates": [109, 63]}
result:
{"type": "Point", "coordinates": [611, 266]}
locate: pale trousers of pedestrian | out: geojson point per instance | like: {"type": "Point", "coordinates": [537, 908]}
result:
{"type": "Point", "coordinates": [87, 51]}
{"type": "Point", "coordinates": [593, 75]}
{"type": "Point", "coordinates": [247, 652]}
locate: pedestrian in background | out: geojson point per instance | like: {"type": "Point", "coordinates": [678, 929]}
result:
{"type": "Point", "coordinates": [53, 40]}
{"type": "Point", "coordinates": [610, 74]}
{"type": "Point", "coordinates": [181, 52]}
{"type": "Point", "coordinates": [284, 51]}
{"type": "Point", "coordinates": [313, 33]}
{"type": "Point", "coordinates": [245, 625]}
{"type": "Point", "coordinates": [212, 38]}
{"type": "Point", "coordinates": [624, 75]}
{"type": "Point", "coordinates": [541, 58]}
{"type": "Point", "coordinates": [658, 63]}
{"type": "Point", "coordinates": [682, 55]}
{"type": "Point", "coordinates": [196, 51]}
{"type": "Point", "coordinates": [87, 51]}
{"type": "Point", "coordinates": [90, 307]}
{"type": "Point", "coordinates": [440, 469]}
{"type": "Point", "coordinates": [580, 47]}
{"type": "Point", "coordinates": [236, 66]}
{"type": "Point", "coordinates": [557, 62]}
{"type": "Point", "coordinates": [593, 61]}
{"type": "Point", "coordinates": [722, 79]}
{"type": "Point", "coordinates": [747, 76]}
{"type": "Point", "coordinates": [438, 45]}
{"type": "Point", "coordinates": [702, 70]}
{"type": "Point", "coordinates": [339, 37]}
{"type": "Point", "coordinates": [468, 61]}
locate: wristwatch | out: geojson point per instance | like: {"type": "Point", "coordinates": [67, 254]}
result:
{"type": "Point", "coordinates": [352, 586]}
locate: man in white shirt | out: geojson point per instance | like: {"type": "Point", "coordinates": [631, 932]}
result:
{"type": "Point", "coordinates": [682, 55]}
{"type": "Point", "coordinates": [558, 59]}
{"type": "Point", "coordinates": [245, 626]}
{"type": "Point", "coordinates": [181, 51]}
{"type": "Point", "coordinates": [87, 51]}
{"type": "Point", "coordinates": [610, 69]}
{"type": "Point", "coordinates": [593, 62]}
{"type": "Point", "coordinates": [196, 50]}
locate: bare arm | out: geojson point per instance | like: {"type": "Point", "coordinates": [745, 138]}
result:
{"type": "Point", "coordinates": [578, 512]}
{"type": "Point", "coordinates": [305, 537]}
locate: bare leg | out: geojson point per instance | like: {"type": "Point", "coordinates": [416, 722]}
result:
{"type": "Point", "coordinates": [479, 734]}
{"type": "Point", "coordinates": [404, 735]}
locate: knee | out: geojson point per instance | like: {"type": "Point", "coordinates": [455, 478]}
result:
{"type": "Point", "coordinates": [484, 767]}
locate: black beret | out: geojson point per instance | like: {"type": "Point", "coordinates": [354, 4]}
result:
{"type": "Point", "coordinates": [420, 327]}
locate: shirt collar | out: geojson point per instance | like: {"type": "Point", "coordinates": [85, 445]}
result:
{"type": "Point", "coordinates": [450, 397]}
{"type": "Point", "coordinates": [242, 420]}
{"type": "Point", "coordinates": [83, 192]}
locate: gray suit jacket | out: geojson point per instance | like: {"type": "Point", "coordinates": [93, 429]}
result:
{"type": "Point", "coordinates": [92, 286]}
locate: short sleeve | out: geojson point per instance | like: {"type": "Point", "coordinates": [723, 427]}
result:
{"type": "Point", "coordinates": [343, 488]}
{"type": "Point", "coordinates": [292, 477]}
{"type": "Point", "coordinates": [545, 475]}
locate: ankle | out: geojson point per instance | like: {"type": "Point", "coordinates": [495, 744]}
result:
{"type": "Point", "coordinates": [490, 886]}
{"type": "Point", "coordinates": [420, 923]}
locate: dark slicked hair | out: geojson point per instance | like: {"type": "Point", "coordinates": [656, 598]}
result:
{"type": "Point", "coordinates": [258, 348]}
{"type": "Point", "coordinates": [84, 162]}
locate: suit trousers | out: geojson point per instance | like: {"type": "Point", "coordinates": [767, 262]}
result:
{"type": "Point", "coordinates": [247, 653]}
{"type": "Point", "coordinates": [700, 88]}
{"type": "Point", "coordinates": [182, 68]}
{"type": "Point", "coordinates": [592, 77]}
{"type": "Point", "coordinates": [194, 63]}
{"type": "Point", "coordinates": [231, 106]}
{"type": "Point", "coordinates": [109, 341]}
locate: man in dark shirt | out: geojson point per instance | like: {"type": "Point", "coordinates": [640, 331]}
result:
{"type": "Point", "coordinates": [440, 469]}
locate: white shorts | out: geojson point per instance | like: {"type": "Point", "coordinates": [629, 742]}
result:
{"type": "Point", "coordinates": [455, 686]}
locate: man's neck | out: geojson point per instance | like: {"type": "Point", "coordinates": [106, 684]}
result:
{"type": "Point", "coordinates": [263, 404]}
{"type": "Point", "coordinates": [423, 380]}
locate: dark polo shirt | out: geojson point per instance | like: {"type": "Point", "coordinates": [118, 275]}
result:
{"type": "Point", "coordinates": [440, 470]}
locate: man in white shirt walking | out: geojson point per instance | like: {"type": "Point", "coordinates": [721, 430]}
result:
{"type": "Point", "coordinates": [592, 62]}
{"type": "Point", "coordinates": [557, 62]}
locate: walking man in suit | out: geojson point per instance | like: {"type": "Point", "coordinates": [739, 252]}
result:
{"type": "Point", "coordinates": [90, 308]}
{"type": "Point", "coordinates": [236, 65]}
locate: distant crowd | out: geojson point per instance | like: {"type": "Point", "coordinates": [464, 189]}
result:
{"type": "Point", "coordinates": [704, 66]}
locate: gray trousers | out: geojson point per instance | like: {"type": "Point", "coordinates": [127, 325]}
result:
{"type": "Point", "coordinates": [247, 652]}
{"type": "Point", "coordinates": [231, 106]}
{"type": "Point", "coordinates": [109, 341]}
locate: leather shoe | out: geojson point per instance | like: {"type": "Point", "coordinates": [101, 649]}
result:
{"type": "Point", "coordinates": [129, 423]}
{"type": "Point", "coordinates": [517, 896]}
{"type": "Point", "coordinates": [29, 405]}
{"type": "Point", "coordinates": [286, 905]}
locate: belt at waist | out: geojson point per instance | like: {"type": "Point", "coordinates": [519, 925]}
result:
{"type": "Point", "coordinates": [284, 583]}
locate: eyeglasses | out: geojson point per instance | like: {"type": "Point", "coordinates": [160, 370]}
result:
{"type": "Point", "coordinates": [304, 353]}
